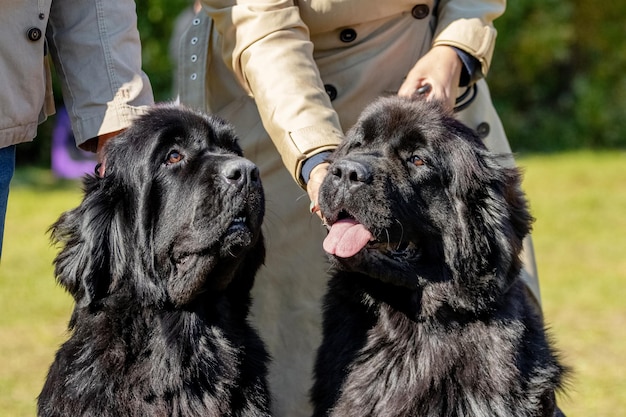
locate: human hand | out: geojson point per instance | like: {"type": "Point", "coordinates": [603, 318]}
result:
{"type": "Point", "coordinates": [441, 68]}
{"type": "Point", "coordinates": [312, 188]}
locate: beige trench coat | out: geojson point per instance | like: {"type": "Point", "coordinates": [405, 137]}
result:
{"type": "Point", "coordinates": [293, 78]}
{"type": "Point", "coordinates": [97, 54]}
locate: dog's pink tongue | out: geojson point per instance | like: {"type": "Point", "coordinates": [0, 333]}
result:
{"type": "Point", "coordinates": [346, 238]}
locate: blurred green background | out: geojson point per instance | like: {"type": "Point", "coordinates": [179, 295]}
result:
{"type": "Point", "coordinates": [558, 82]}
{"type": "Point", "coordinates": [557, 76]}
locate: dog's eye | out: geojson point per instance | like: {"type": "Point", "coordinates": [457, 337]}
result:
{"type": "Point", "coordinates": [416, 160]}
{"type": "Point", "coordinates": [173, 157]}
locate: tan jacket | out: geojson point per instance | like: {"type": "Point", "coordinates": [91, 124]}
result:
{"type": "Point", "coordinates": [97, 54]}
{"type": "Point", "coordinates": [290, 56]}
{"type": "Point", "coordinates": [260, 53]}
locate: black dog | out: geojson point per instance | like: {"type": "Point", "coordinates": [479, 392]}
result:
{"type": "Point", "coordinates": [160, 257]}
{"type": "Point", "coordinates": [425, 314]}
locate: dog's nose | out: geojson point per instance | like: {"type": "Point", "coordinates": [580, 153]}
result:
{"type": "Point", "coordinates": [240, 171]}
{"type": "Point", "coordinates": [351, 173]}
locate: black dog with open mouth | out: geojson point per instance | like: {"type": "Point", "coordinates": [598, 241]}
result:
{"type": "Point", "coordinates": [160, 257]}
{"type": "Point", "coordinates": [425, 314]}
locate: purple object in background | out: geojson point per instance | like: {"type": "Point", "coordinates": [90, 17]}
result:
{"type": "Point", "coordinates": [68, 161]}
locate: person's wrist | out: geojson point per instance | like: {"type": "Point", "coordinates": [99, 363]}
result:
{"type": "Point", "coordinates": [319, 170]}
{"type": "Point", "coordinates": [470, 72]}
{"type": "Point", "coordinates": [318, 173]}
{"type": "Point", "coordinates": [312, 163]}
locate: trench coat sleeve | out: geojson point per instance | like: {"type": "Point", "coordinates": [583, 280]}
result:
{"type": "Point", "coordinates": [267, 46]}
{"type": "Point", "coordinates": [468, 25]}
{"type": "Point", "coordinates": [96, 51]}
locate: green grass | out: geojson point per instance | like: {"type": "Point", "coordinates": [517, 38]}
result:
{"type": "Point", "coordinates": [579, 200]}
{"type": "Point", "coordinates": [34, 310]}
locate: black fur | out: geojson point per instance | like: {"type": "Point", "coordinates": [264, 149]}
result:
{"type": "Point", "coordinates": [160, 257]}
{"type": "Point", "coordinates": [430, 319]}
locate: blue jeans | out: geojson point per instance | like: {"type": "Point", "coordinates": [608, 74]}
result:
{"type": "Point", "coordinates": [7, 167]}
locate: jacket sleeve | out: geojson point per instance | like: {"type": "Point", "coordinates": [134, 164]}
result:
{"type": "Point", "coordinates": [267, 46]}
{"type": "Point", "coordinates": [468, 25]}
{"type": "Point", "coordinates": [97, 54]}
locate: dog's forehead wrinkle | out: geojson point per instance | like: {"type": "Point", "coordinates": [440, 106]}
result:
{"type": "Point", "coordinates": [396, 141]}
{"type": "Point", "coordinates": [222, 135]}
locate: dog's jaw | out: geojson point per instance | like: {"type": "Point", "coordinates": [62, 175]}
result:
{"type": "Point", "coordinates": [198, 269]}
{"type": "Point", "coordinates": [238, 238]}
{"type": "Point", "coordinates": [349, 238]}
{"type": "Point", "coordinates": [354, 244]}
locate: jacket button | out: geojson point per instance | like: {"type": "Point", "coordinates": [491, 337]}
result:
{"type": "Point", "coordinates": [34, 34]}
{"type": "Point", "coordinates": [347, 35]}
{"type": "Point", "coordinates": [420, 11]}
{"type": "Point", "coordinates": [483, 130]}
{"type": "Point", "coordinates": [331, 91]}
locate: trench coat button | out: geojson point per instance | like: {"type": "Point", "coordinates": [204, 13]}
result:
{"type": "Point", "coordinates": [34, 34]}
{"type": "Point", "coordinates": [331, 91]}
{"type": "Point", "coordinates": [420, 11]}
{"type": "Point", "coordinates": [347, 35]}
{"type": "Point", "coordinates": [483, 130]}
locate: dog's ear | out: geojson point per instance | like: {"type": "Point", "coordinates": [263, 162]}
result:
{"type": "Point", "coordinates": [90, 238]}
{"type": "Point", "coordinates": [492, 216]}
{"type": "Point", "coordinates": [484, 184]}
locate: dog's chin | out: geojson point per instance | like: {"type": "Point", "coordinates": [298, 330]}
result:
{"type": "Point", "coordinates": [198, 266]}
{"type": "Point", "coordinates": [238, 238]}
{"type": "Point", "coordinates": [197, 263]}
{"type": "Point", "coordinates": [235, 239]}
{"type": "Point", "coordinates": [376, 254]}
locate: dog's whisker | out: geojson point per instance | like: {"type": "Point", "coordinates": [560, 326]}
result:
{"type": "Point", "coordinates": [399, 243]}
{"type": "Point", "coordinates": [388, 239]}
